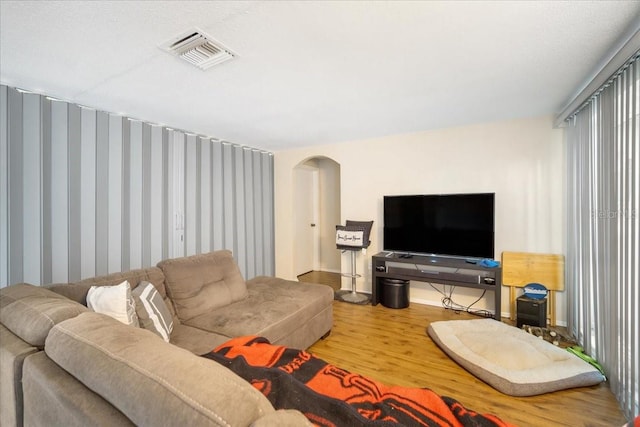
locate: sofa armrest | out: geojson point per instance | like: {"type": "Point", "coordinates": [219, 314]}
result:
{"type": "Point", "coordinates": [13, 352]}
{"type": "Point", "coordinates": [150, 381]}
{"type": "Point", "coordinates": [53, 397]}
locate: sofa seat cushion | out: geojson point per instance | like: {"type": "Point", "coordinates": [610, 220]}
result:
{"type": "Point", "coordinates": [150, 381]}
{"type": "Point", "coordinates": [197, 341]}
{"type": "Point", "coordinates": [198, 284]}
{"type": "Point", "coordinates": [274, 309]}
{"type": "Point", "coordinates": [31, 311]}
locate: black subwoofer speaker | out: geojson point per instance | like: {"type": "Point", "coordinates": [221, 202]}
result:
{"type": "Point", "coordinates": [395, 293]}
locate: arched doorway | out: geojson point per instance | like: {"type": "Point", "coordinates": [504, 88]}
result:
{"type": "Point", "coordinates": [316, 200]}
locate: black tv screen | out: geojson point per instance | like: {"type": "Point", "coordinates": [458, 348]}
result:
{"type": "Point", "coordinates": [443, 224]}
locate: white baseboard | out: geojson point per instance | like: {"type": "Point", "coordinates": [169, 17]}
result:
{"type": "Point", "coordinates": [439, 304]}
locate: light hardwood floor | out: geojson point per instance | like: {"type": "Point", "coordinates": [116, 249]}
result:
{"type": "Point", "coordinates": [392, 346]}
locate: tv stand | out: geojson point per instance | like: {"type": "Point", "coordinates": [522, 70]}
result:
{"type": "Point", "coordinates": [434, 269]}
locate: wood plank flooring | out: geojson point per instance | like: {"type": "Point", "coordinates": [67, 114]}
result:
{"type": "Point", "coordinates": [392, 346]}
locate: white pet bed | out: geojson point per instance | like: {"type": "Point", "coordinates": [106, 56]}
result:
{"type": "Point", "coordinates": [511, 360]}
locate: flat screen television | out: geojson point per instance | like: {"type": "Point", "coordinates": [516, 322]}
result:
{"type": "Point", "coordinates": [460, 225]}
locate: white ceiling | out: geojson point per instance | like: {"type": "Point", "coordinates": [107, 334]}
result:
{"type": "Point", "coordinates": [314, 72]}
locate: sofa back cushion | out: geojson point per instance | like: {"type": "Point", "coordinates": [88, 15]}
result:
{"type": "Point", "coordinates": [150, 381]}
{"type": "Point", "coordinates": [198, 284]}
{"type": "Point", "coordinates": [78, 291]}
{"type": "Point", "coordinates": [31, 311]}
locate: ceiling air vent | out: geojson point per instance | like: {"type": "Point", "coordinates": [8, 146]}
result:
{"type": "Point", "coordinates": [198, 49]}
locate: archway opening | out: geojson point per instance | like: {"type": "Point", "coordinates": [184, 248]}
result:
{"type": "Point", "coordinates": [317, 211]}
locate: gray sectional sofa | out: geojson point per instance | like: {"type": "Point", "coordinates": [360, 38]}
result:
{"type": "Point", "coordinates": [62, 364]}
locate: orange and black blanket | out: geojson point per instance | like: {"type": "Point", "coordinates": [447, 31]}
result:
{"type": "Point", "coordinates": [330, 396]}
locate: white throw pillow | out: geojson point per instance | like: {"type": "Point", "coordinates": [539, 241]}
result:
{"type": "Point", "coordinates": [115, 301]}
{"type": "Point", "coordinates": [152, 312]}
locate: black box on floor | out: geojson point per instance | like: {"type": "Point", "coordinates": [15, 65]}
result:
{"type": "Point", "coordinates": [532, 312]}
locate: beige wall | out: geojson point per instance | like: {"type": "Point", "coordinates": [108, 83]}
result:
{"type": "Point", "coordinates": [522, 161]}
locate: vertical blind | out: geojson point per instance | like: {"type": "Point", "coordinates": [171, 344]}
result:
{"type": "Point", "coordinates": [603, 248]}
{"type": "Point", "coordinates": [86, 193]}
